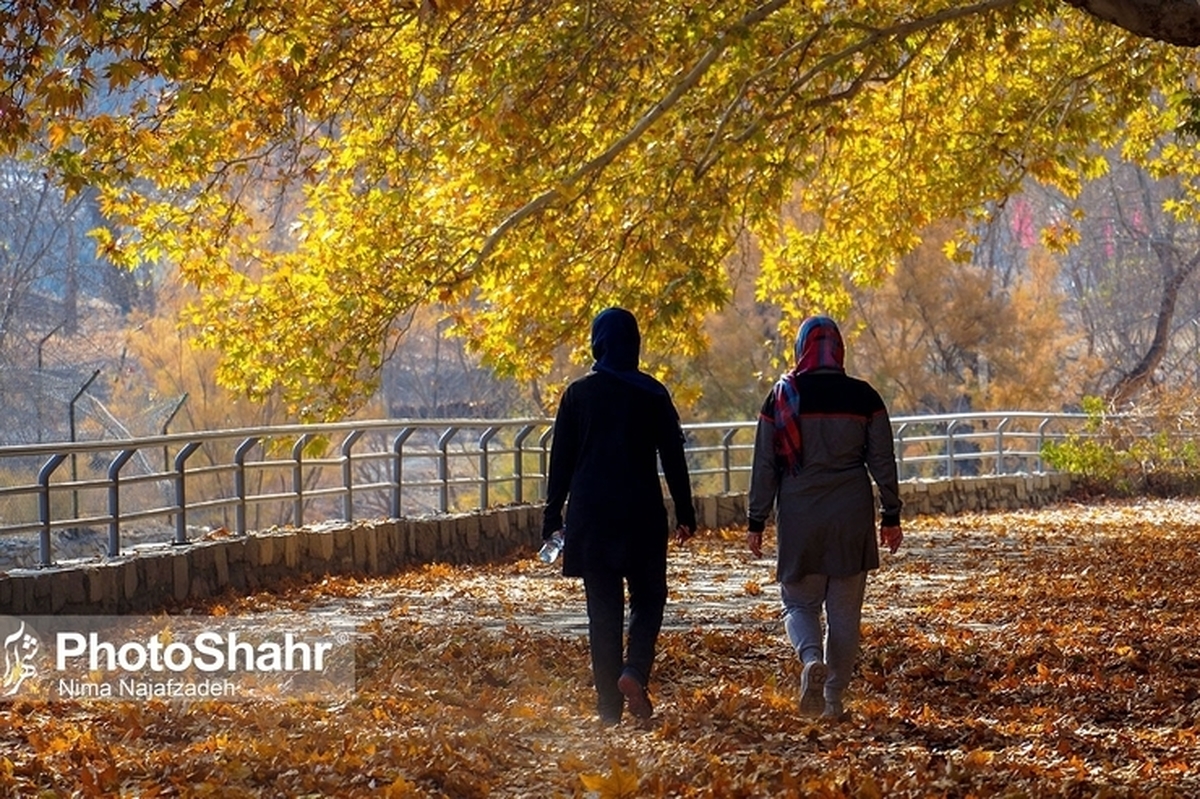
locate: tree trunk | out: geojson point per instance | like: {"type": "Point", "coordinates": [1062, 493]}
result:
{"type": "Point", "coordinates": [1170, 21]}
{"type": "Point", "coordinates": [1136, 378]}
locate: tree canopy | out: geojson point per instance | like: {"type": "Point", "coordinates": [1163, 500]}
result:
{"type": "Point", "coordinates": [319, 169]}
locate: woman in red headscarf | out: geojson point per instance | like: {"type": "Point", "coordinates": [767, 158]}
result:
{"type": "Point", "coordinates": [822, 436]}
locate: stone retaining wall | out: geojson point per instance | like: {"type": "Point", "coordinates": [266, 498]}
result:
{"type": "Point", "coordinates": [164, 576]}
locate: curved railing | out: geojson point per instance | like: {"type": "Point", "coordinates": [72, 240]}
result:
{"type": "Point", "coordinates": [181, 487]}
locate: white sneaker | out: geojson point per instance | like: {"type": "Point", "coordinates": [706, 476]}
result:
{"type": "Point", "coordinates": [812, 688]}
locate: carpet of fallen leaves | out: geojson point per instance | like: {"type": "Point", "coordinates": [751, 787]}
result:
{"type": "Point", "coordinates": [1025, 654]}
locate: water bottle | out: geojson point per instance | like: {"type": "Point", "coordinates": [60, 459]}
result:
{"type": "Point", "coordinates": [552, 548]}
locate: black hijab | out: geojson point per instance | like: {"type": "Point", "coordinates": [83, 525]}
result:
{"type": "Point", "coordinates": [616, 343]}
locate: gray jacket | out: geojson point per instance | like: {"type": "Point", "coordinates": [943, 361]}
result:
{"type": "Point", "coordinates": [825, 511]}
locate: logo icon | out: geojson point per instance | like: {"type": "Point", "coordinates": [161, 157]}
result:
{"type": "Point", "coordinates": [21, 648]}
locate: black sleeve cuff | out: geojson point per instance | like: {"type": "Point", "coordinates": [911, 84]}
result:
{"type": "Point", "coordinates": [757, 525]}
{"type": "Point", "coordinates": [687, 518]}
{"type": "Point", "coordinates": [890, 520]}
{"type": "Point", "coordinates": [551, 523]}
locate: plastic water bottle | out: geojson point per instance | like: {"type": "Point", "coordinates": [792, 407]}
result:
{"type": "Point", "coordinates": [552, 548]}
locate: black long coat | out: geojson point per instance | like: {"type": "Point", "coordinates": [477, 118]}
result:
{"type": "Point", "coordinates": [608, 438]}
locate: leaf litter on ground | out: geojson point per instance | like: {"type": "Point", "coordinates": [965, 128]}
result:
{"type": "Point", "coordinates": [1027, 653]}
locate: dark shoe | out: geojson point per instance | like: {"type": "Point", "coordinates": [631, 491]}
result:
{"type": "Point", "coordinates": [834, 712]}
{"type": "Point", "coordinates": [610, 710]}
{"type": "Point", "coordinates": [635, 695]}
{"type": "Point", "coordinates": [812, 688]}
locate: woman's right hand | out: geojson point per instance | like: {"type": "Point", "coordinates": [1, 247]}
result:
{"type": "Point", "coordinates": [891, 537]}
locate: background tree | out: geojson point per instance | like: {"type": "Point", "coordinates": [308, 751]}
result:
{"type": "Point", "coordinates": [1132, 278]}
{"type": "Point", "coordinates": [528, 164]}
{"type": "Point", "coordinates": [941, 337]}
{"type": "Point", "coordinates": [743, 353]}
{"type": "Point", "coordinates": [59, 304]}
{"type": "Point", "coordinates": [430, 375]}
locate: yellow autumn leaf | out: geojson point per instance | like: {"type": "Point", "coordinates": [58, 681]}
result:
{"type": "Point", "coordinates": [618, 784]}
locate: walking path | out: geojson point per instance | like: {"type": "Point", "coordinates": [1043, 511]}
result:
{"type": "Point", "coordinates": [714, 583]}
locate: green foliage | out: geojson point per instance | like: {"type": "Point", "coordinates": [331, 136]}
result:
{"type": "Point", "coordinates": [1130, 453]}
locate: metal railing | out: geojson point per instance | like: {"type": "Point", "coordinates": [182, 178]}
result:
{"type": "Point", "coordinates": [181, 487]}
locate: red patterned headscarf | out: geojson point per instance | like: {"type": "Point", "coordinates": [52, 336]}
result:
{"type": "Point", "coordinates": [818, 346]}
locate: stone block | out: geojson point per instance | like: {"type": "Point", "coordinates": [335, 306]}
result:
{"type": "Point", "coordinates": [181, 576]}
{"type": "Point", "coordinates": [471, 530]}
{"type": "Point", "coordinates": [6, 594]}
{"type": "Point", "coordinates": [489, 525]}
{"type": "Point", "coordinates": [237, 576]}
{"type": "Point", "coordinates": [18, 593]}
{"type": "Point", "coordinates": [41, 586]}
{"type": "Point", "coordinates": [221, 565]}
{"type": "Point", "coordinates": [75, 587]}
{"type": "Point", "coordinates": [359, 547]}
{"type": "Point", "coordinates": [373, 559]}
{"type": "Point", "coordinates": [425, 540]}
{"type": "Point", "coordinates": [291, 550]}
{"type": "Point", "coordinates": [133, 573]}
{"type": "Point", "coordinates": [260, 549]}
{"type": "Point", "coordinates": [726, 512]}
{"type": "Point", "coordinates": [235, 550]}
{"type": "Point", "coordinates": [399, 538]}
{"type": "Point", "coordinates": [385, 542]}
{"type": "Point", "coordinates": [201, 556]}
{"type": "Point", "coordinates": [343, 546]}
{"type": "Point", "coordinates": [57, 581]}
{"type": "Point", "coordinates": [319, 545]}
{"type": "Point", "coordinates": [201, 586]}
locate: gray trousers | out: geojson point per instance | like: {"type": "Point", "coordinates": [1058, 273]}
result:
{"type": "Point", "coordinates": [841, 599]}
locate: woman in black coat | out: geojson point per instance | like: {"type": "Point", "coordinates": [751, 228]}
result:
{"type": "Point", "coordinates": [612, 427]}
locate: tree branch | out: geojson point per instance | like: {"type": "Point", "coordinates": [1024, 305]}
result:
{"type": "Point", "coordinates": [875, 36]}
{"type": "Point", "coordinates": [597, 164]}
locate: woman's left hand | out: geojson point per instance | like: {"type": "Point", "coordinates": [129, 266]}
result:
{"type": "Point", "coordinates": [754, 541]}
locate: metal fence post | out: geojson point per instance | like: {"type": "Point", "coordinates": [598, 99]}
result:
{"type": "Point", "coordinates": [71, 428]}
{"type": "Point", "coordinates": [444, 467]}
{"type": "Point", "coordinates": [45, 557]}
{"type": "Point", "coordinates": [185, 452]}
{"type": "Point", "coordinates": [519, 463]}
{"type": "Point", "coordinates": [726, 461]}
{"type": "Point", "coordinates": [348, 474]}
{"type": "Point", "coordinates": [484, 440]}
{"type": "Point", "coordinates": [544, 457]}
{"type": "Point", "coordinates": [950, 447]}
{"type": "Point", "coordinates": [298, 479]}
{"type": "Point", "coordinates": [167, 423]}
{"type": "Point", "coordinates": [398, 469]}
{"type": "Point", "coordinates": [1000, 446]}
{"type": "Point", "coordinates": [239, 482]}
{"type": "Point", "coordinates": [1041, 443]}
{"type": "Point", "coordinates": [114, 500]}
